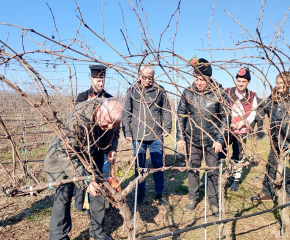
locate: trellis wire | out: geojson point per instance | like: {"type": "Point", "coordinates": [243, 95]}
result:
{"type": "Point", "coordinates": [284, 189]}
{"type": "Point", "coordinates": [21, 134]}
{"type": "Point", "coordinates": [43, 140]}
{"type": "Point", "coordinates": [216, 222]}
{"type": "Point", "coordinates": [175, 115]}
{"type": "Point", "coordinates": [135, 209]}
{"type": "Point", "coordinates": [24, 144]}
{"type": "Point", "coordinates": [220, 197]}
{"type": "Point", "coordinates": [205, 201]}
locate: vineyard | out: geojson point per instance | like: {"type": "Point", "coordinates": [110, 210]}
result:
{"type": "Point", "coordinates": [44, 65]}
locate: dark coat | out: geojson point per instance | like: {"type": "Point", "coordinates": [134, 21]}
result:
{"type": "Point", "coordinates": [57, 163]}
{"type": "Point", "coordinates": [84, 96]}
{"type": "Point", "coordinates": [277, 110]}
{"type": "Point", "coordinates": [146, 109]}
{"type": "Point", "coordinates": [260, 115]}
{"type": "Point", "coordinates": [198, 111]}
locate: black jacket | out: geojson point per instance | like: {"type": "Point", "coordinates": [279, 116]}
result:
{"type": "Point", "coordinates": [145, 109]}
{"type": "Point", "coordinates": [277, 110]}
{"type": "Point", "coordinates": [84, 96]}
{"type": "Point", "coordinates": [204, 111]}
{"type": "Point", "coordinates": [259, 118]}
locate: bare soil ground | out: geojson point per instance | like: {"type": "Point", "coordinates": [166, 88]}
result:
{"type": "Point", "coordinates": [28, 217]}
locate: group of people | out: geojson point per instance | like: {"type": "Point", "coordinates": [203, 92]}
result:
{"type": "Point", "coordinates": [209, 119]}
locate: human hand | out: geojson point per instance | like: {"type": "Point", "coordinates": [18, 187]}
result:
{"type": "Point", "coordinates": [260, 136]}
{"type": "Point", "coordinates": [240, 125]}
{"type": "Point", "coordinates": [112, 156]}
{"type": "Point", "coordinates": [93, 189]}
{"type": "Point", "coordinates": [233, 126]}
{"type": "Point", "coordinates": [129, 139]}
{"type": "Point", "coordinates": [217, 147]}
{"type": "Point", "coordinates": [164, 134]}
{"type": "Point", "coordinates": [180, 144]}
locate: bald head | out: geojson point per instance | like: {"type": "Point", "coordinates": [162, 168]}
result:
{"type": "Point", "coordinates": [110, 113]}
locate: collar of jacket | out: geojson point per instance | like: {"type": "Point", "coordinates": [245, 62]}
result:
{"type": "Point", "coordinates": [248, 98]}
{"type": "Point", "coordinates": [100, 94]}
{"type": "Point", "coordinates": [277, 97]}
{"type": "Point", "coordinates": [208, 88]}
{"type": "Point", "coordinates": [138, 86]}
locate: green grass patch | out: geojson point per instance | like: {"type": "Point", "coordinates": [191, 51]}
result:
{"type": "Point", "coordinates": [43, 214]}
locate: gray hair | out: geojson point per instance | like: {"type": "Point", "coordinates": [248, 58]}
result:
{"type": "Point", "coordinates": [147, 68]}
{"type": "Point", "coordinates": [114, 107]}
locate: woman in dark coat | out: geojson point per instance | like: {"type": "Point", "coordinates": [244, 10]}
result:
{"type": "Point", "coordinates": [277, 108]}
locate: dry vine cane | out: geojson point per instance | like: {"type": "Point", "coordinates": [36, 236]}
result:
{"type": "Point", "coordinates": [51, 116]}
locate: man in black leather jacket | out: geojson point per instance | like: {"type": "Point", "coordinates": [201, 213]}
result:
{"type": "Point", "coordinates": [277, 108]}
{"type": "Point", "coordinates": [202, 124]}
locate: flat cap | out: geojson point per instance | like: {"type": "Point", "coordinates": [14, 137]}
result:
{"type": "Point", "coordinates": [98, 71]}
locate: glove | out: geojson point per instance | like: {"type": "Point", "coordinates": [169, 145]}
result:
{"type": "Point", "coordinates": [260, 135]}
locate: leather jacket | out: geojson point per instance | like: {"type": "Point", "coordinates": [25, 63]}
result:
{"type": "Point", "coordinates": [277, 110]}
{"type": "Point", "coordinates": [202, 110]}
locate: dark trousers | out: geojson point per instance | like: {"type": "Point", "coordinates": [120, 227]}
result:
{"type": "Point", "coordinates": [79, 193]}
{"type": "Point", "coordinates": [60, 221]}
{"type": "Point", "coordinates": [268, 186]}
{"type": "Point", "coordinates": [195, 155]}
{"type": "Point", "coordinates": [238, 153]}
{"type": "Point", "coordinates": [156, 154]}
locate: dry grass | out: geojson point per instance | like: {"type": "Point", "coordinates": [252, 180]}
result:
{"type": "Point", "coordinates": [28, 217]}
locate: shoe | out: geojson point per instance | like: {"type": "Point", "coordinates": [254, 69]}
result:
{"type": "Point", "coordinates": [261, 197]}
{"type": "Point", "coordinates": [140, 197]}
{"type": "Point", "coordinates": [102, 236]}
{"type": "Point", "coordinates": [86, 212]}
{"type": "Point", "coordinates": [161, 200]}
{"type": "Point", "coordinates": [191, 205]}
{"type": "Point", "coordinates": [215, 210]}
{"type": "Point", "coordinates": [235, 186]}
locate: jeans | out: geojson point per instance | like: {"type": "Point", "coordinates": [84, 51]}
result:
{"type": "Point", "coordinates": [60, 221]}
{"type": "Point", "coordinates": [156, 154]}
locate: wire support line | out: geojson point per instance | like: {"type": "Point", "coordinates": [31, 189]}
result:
{"type": "Point", "coordinates": [216, 223]}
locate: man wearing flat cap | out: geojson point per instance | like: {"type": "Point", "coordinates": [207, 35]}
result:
{"type": "Point", "coordinates": [98, 74]}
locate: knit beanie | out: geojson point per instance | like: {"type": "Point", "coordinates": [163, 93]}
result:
{"type": "Point", "coordinates": [202, 68]}
{"type": "Point", "coordinates": [244, 73]}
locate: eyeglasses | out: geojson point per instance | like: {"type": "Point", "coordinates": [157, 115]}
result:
{"type": "Point", "coordinates": [147, 78]}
